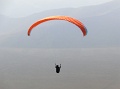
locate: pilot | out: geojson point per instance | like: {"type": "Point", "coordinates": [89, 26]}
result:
{"type": "Point", "coordinates": [57, 68]}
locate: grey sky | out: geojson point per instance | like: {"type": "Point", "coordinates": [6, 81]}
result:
{"type": "Point", "coordinates": [21, 8]}
{"type": "Point", "coordinates": [81, 69]}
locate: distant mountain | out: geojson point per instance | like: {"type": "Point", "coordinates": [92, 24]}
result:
{"type": "Point", "coordinates": [102, 22]}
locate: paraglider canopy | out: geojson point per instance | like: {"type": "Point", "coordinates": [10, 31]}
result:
{"type": "Point", "coordinates": [66, 18]}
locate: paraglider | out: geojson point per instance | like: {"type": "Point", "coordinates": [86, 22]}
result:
{"type": "Point", "coordinates": [66, 18]}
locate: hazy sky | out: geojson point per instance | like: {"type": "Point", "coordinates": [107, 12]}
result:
{"type": "Point", "coordinates": [21, 8]}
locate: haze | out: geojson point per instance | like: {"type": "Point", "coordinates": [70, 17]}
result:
{"type": "Point", "coordinates": [22, 8]}
{"type": "Point", "coordinates": [90, 62]}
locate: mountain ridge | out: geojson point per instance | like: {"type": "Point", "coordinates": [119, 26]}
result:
{"type": "Point", "coordinates": [103, 29]}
